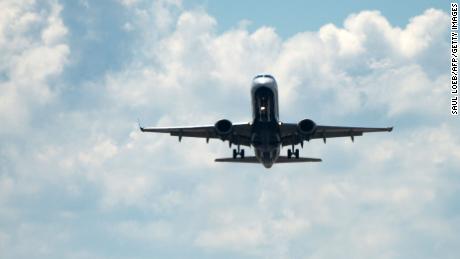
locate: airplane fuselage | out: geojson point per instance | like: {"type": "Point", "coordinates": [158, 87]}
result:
{"type": "Point", "coordinates": [265, 135]}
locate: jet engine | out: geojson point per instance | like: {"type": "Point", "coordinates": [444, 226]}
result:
{"type": "Point", "coordinates": [223, 127]}
{"type": "Point", "coordinates": [306, 127]}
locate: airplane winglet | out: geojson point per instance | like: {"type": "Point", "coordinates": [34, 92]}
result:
{"type": "Point", "coordinates": [390, 129]}
{"type": "Point", "coordinates": [139, 124]}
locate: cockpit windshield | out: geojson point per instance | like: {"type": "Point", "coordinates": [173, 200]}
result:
{"type": "Point", "coordinates": [264, 75]}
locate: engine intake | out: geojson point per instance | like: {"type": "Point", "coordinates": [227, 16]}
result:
{"type": "Point", "coordinates": [306, 126]}
{"type": "Point", "coordinates": [223, 127]}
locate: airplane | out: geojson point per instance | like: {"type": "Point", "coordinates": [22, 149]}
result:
{"type": "Point", "coordinates": [266, 133]}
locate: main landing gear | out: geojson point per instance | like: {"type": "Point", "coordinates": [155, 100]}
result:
{"type": "Point", "coordinates": [238, 152]}
{"type": "Point", "coordinates": [291, 152]}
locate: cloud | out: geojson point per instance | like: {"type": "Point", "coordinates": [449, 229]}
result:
{"type": "Point", "coordinates": [364, 65]}
{"type": "Point", "coordinates": [386, 196]}
{"type": "Point", "coordinates": [32, 39]}
{"type": "Point", "coordinates": [145, 232]}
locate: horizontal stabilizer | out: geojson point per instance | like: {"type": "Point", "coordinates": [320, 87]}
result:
{"type": "Point", "coordinates": [247, 159]}
{"type": "Point", "coordinates": [285, 159]}
{"type": "Point", "coordinates": [281, 159]}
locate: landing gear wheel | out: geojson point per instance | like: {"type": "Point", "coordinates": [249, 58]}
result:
{"type": "Point", "coordinates": [297, 153]}
{"type": "Point", "coordinates": [289, 153]}
{"type": "Point", "coordinates": [237, 153]}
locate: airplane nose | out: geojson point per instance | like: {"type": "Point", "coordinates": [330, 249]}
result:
{"type": "Point", "coordinates": [263, 82]}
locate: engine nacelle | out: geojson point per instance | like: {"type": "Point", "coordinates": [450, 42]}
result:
{"type": "Point", "coordinates": [306, 127]}
{"type": "Point", "coordinates": [223, 127]}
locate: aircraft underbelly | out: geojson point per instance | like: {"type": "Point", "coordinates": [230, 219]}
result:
{"type": "Point", "coordinates": [266, 142]}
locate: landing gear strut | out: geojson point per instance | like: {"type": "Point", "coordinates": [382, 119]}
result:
{"type": "Point", "coordinates": [237, 152]}
{"type": "Point", "coordinates": [291, 152]}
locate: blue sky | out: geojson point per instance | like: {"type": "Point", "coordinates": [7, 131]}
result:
{"type": "Point", "coordinates": [78, 179]}
{"type": "Point", "coordinates": [294, 16]}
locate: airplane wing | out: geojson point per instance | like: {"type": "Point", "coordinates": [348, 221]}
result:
{"type": "Point", "coordinates": [291, 135]}
{"type": "Point", "coordinates": [240, 134]}
{"type": "Point", "coordinates": [281, 159]}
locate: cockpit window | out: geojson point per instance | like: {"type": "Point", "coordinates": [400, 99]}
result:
{"type": "Point", "coordinates": [269, 76]}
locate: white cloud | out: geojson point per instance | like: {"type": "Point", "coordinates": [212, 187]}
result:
{"type": "Point", "coordinates": [128, 2]}
{"type": "Point", "coordinates": [56, 30]}
{"type": "Point", "coordinates": [323, 63]}
{"type": "Point", "coordinates": [154, 231]}
{"type": "Point", "coordinates": [29, 60]}
{"type": "Point", "coordinates": [102, 151]}
{"type": "Point", "coordinates": [367, 200]}
{"type": "Point", "coordinates": [233, 238]}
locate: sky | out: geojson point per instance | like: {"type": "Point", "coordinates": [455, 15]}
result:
{"type": "Point", "coordinates": [79, 180]}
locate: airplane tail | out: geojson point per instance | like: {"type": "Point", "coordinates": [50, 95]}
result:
{"type": "Point", "coordinates": [281, 159]}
